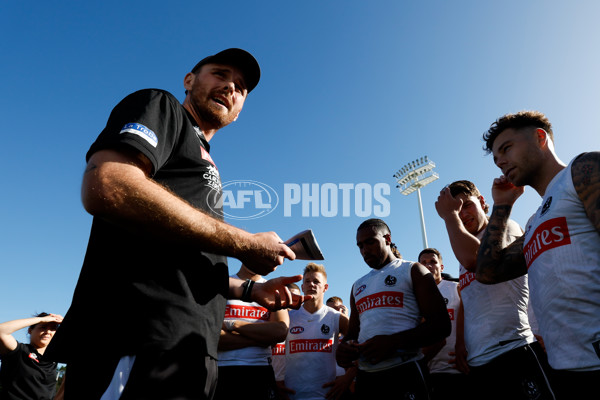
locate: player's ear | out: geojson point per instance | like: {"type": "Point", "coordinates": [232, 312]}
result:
{"type": "Point", "coordinates": [188, 80]}
{"type": "Point", "coordinates": [482, 201]}
{"type": "Point", "coordinates": [542, 136]}
{"type": "Point", "coordinates": [388, 239]}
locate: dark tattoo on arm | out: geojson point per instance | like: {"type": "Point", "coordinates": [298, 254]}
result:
{"type": "Point", "coordinates": [585, 172]}
{"type": "Point", "coordinates": [498, 261]}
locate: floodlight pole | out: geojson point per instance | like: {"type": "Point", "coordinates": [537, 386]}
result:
{"type": "Point", "coordinates": [423, 232]}
{"type": "Point", "coordinates": [412, 177]}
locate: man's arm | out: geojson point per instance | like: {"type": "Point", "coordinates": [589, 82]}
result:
{"type": "Point", "coordinates": [60, 393]}
{"type": "Point", "coordinates": [460, 349]}
{"type": "Point", "coordinates": [230, 340]}
{"type": "Point", "coordinates": [340, 386]}
{"type": "Point", "coordinates": [272, 294]}
{"type": "Point", "coordinates": [464, 245]}
{"type": "Point", "coordinates": [432, 350]}
{"type": "Point", "coordinates": [116, 186]}
{"type": "Point", "coordinates": [242, 334]}
{"type": "Point", "coordinates": [435, 326]}
{"type": "Point", "coordinates": [347, 351]}
{"type": "Point", "coordinates": [353, 321]}
{"type": "Point", "coordinates": [498, 261]}
{"type": "Point", "coordinates": [585, 172]}
{"type": "Point", "coordinates": [343, 324]}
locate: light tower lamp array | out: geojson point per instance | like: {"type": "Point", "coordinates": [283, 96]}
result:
{"type": "Point", "coordinates": [415, 175]}
{"type": "Point", "coordinates": [412, 177]}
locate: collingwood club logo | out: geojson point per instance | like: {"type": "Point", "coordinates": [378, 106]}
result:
{"type": "Point", "coordinates": [390, 280]}
{"type": "Point", "coordinates": [546, 205]}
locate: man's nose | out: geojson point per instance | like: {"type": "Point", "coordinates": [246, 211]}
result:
{"type": "Point", "coordinates": [230, 87]}
{"type": "Point", "coordinates": [500, 162]}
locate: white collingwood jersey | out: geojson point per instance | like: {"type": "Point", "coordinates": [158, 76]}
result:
{"type": "Point", "coordinates": [278, 360]}
{"type": "Point", "coordinates": [562, 252]}
{"type": "Point", "coordinates": [495, 316]}
{"type": "Point", "coordinates": [250, 312]}
{"type": "Point", "coordinates": [386, 305]}
{"type": "Point", "coordinates": [440, 362]}
{"type": "Point", "coordinates": [310, 352]}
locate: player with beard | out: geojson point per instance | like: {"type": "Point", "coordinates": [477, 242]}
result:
{"type": "Point", "coordinates": [395, 310]}
{"type": "Point", "coordinates": [155, 280]}
{"type": "Point", "coordinates": [560, 250]}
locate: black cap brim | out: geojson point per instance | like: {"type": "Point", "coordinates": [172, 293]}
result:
{"type": "Point", "coordinates": [238, 58]}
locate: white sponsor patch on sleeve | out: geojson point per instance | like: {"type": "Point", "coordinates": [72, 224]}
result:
{"type": "Point", "coordinates": [141, 131]}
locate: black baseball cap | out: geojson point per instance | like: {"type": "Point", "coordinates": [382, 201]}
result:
{"type": "Point", "coordinates": [238, 58]}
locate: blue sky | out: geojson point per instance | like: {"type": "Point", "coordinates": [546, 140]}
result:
{"type": "Point", "coordinates": [350, 92]}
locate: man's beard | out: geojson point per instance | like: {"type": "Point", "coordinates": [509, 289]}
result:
{"type": "Point", "coordinates": [213, 118]}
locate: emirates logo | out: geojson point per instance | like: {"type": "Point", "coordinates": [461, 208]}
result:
{"type": "Point", "coordinates": [550, 234]}
{"type": "Point", "coordinates": [382, 299]}
{"type": "Point", "coordinates": [311, 346]}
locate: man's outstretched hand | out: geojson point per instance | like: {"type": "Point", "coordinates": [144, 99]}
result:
{"type": "Point", "coordinates": [275, 295]}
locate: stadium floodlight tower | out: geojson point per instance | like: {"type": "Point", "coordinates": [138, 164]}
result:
{"type": "Point", "coordinates": [412, 177]}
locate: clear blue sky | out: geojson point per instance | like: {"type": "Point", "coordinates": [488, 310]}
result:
{"type": "Point", "coordinates": [350, 92]}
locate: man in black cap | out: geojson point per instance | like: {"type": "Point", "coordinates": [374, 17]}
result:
{"type": "Point", "coordinates": [148, 307]}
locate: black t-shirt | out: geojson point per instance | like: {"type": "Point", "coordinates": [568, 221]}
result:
{"type": "Point", "coordinates": [25, 374]}
{"type": "Point", "coordinates": [136, 291]}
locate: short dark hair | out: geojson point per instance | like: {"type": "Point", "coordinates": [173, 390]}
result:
{"type": "Point", "coordinates": [430, 250]}
{"type": "Point", "coordinates": [378, 224]}
{"type": "Point", "coordinates": [467, 188]}
{"type": "Point", "coordinates": [519, 120]}
{"type": "Point", "coordinates": [42, 314]}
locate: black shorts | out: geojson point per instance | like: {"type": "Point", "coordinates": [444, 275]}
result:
{"type": "Point", "coordinates": [521, 373]}
{"type": "Point", "coordinates": [576, 385]}
{"type": "Point", "coordinates": [446, 386]}
{"type": "Point", "coordinates": [406, 381]}
{"type": "Point", "coordinates": [246, 382]}
{"type": "Point", "coordinates": [182, 373]}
